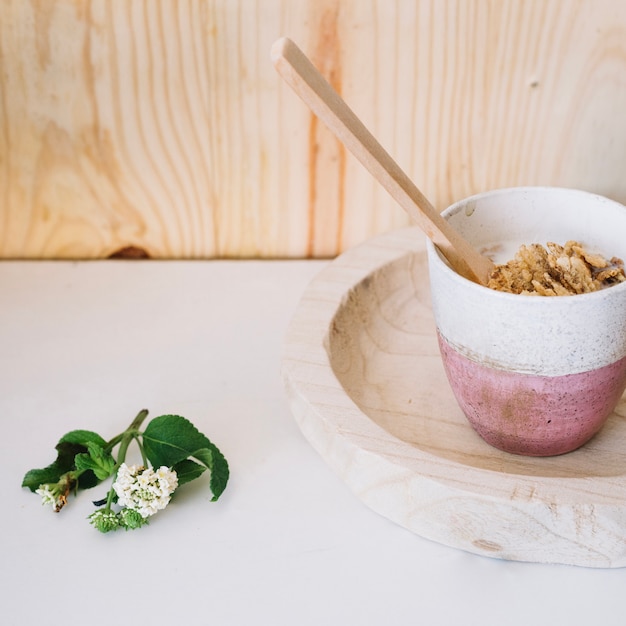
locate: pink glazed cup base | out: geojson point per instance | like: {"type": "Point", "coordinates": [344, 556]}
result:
{"type": "Point", "coordinates": [533, 415]}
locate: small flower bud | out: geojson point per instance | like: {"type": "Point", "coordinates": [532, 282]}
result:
{"type": "Point", "coordinates": [130, 519]}
{"type": "Point", "coordinates": [104, 520]}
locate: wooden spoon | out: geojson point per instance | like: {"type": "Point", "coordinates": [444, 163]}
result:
{"type": "Point", "coordinates": [301, 75]}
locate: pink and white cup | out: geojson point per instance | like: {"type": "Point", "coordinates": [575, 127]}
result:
{"type": "Point", "coordinates": [534, 375]}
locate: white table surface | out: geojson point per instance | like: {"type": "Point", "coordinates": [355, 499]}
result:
{"type": "Point", "coordinates": [87, 345]}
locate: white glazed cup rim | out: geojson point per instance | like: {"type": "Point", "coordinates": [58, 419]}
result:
{"type": "Point", "coordinates": [435, 256]}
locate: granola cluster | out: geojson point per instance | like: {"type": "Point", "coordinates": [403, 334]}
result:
{"type": "Point", "coordinates": [556, 270]}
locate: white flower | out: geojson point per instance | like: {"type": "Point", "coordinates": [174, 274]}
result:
{"type": "Point", "coordinates": [51, 494]}
{"type": "Point", "coordinates": [143, 489]}
{"type": "Point", "coordinates": [48, 495]}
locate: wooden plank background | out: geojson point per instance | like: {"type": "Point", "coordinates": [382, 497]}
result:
{"type": "Point", "coordinates": [162, 125]}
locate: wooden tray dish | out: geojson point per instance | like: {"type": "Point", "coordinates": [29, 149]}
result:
{"type": "Point", "coordinates": [368, 390]}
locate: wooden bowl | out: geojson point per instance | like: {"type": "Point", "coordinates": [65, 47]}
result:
{"type": "Point", "coordinates": [367, 387]}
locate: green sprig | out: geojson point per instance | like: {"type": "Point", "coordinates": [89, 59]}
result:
{"type": "Point", "coordinates": [170, 444]}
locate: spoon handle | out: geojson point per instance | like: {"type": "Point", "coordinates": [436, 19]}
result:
{"type": "Point", "coordinates": [302, 76]}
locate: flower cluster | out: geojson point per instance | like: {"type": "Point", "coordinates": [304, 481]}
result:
{"type": "Point", "coordinates": [141, 492]}
{"type": "Point", "coordinates": [143, 489]}
{"type": "Point", "coordinates": [51, 494]}
{"type": "Point", "coordinates": [56, 494]}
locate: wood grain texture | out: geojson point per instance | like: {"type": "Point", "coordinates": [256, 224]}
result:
{"type": "Point", "coordinates": [368, 390]}
{"type": "Point", "coordinates": [328, 106]}
{"type": "Point", "coordinates": [162, 125]}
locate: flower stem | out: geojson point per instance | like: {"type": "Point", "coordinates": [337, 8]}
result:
{"type": "Point", "coordinates": [134, 426]}
{"type": "Point", "coordinates": [144, 458]}
{"type": "Point", "coordinates": [141, 416]}
{"type": "Point", "coordinates": [124, 440]}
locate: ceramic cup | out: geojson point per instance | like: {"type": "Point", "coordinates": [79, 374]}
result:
{"type": "Point", "coordinates": [534, 375]}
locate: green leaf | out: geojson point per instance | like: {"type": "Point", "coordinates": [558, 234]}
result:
{"type": "Point", "coordinates": [215, 461]}
{"type": "Point", "coordinates": [71, 444]}
{"type": "Point", "coordinates": [36, 477]}
{"type": "Point", "coordinates": [188, 470]}
{"type": "Point", "coordinates": [83, 438]}
{"type": "Point", "coordinates": [97, 460]}
{"type": "Point", "coordinates": [170, 439]}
